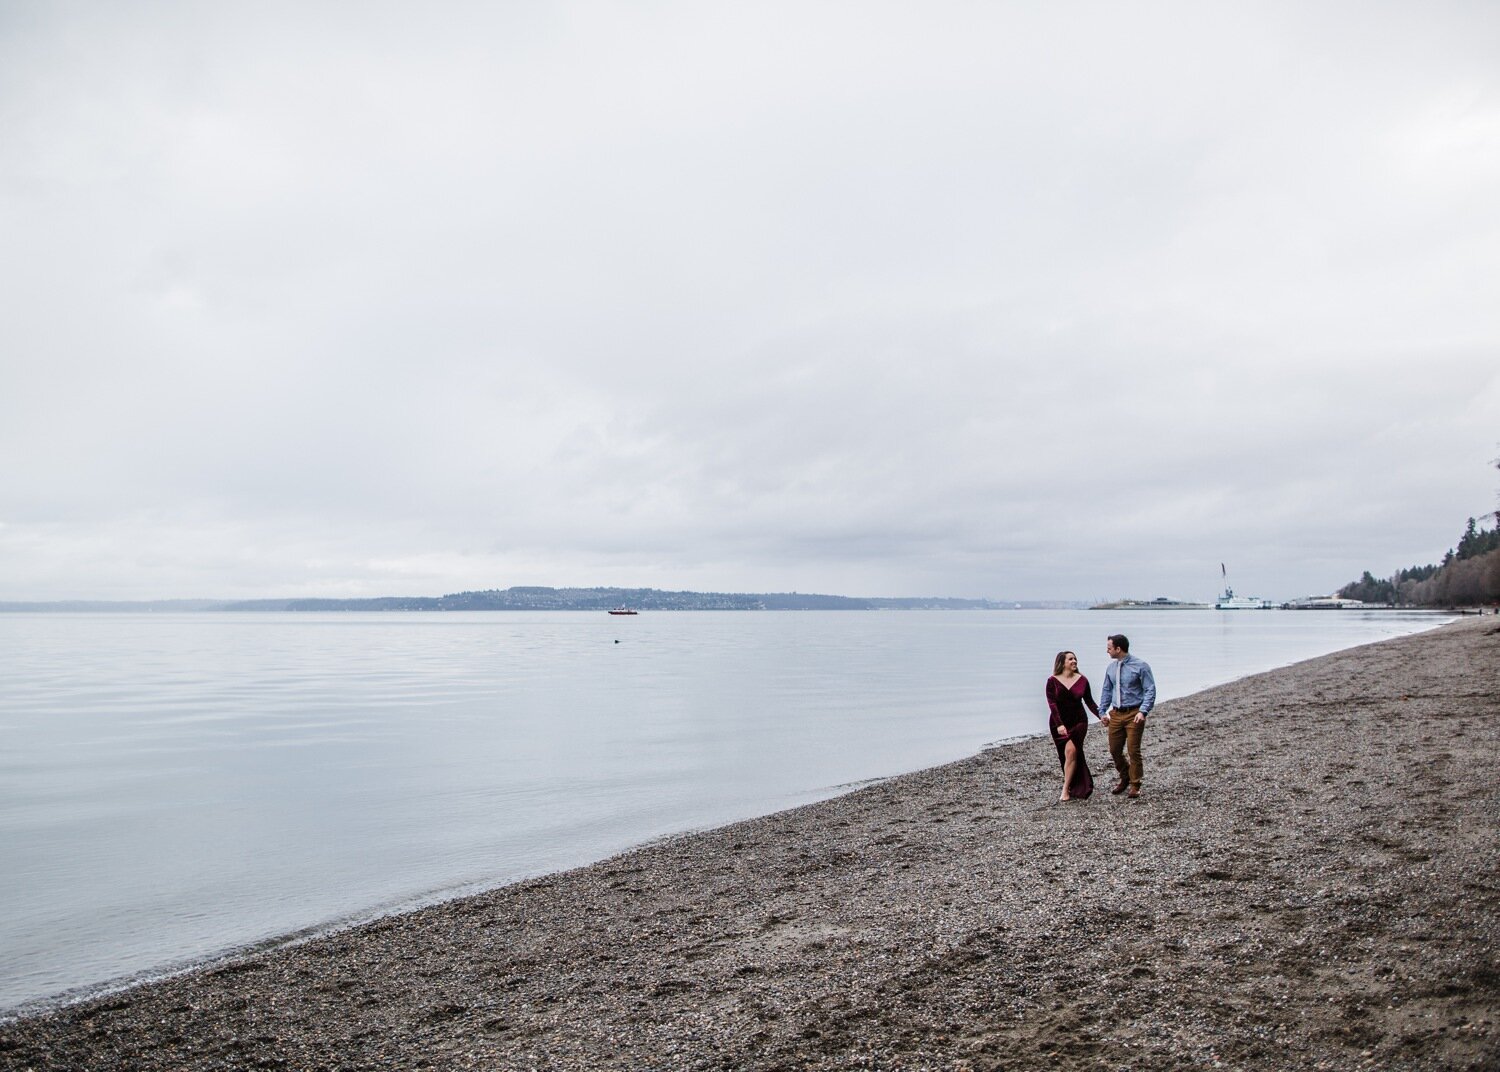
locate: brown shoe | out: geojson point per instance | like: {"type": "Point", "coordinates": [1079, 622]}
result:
{"type": "Point", "coordinates": [1135, 791]}
{"type": "Point", "coordinates": [1120, 787]}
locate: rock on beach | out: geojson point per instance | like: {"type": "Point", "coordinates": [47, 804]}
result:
{"type": "Point", "coordinates": [1309, 881]}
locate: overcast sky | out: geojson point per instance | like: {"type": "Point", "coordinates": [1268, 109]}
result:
{"type": "Point", "coordinates": [1063, 300]}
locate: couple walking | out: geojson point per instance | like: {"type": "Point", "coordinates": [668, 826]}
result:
{"type": "Point", "coordinates": [1128, 696]}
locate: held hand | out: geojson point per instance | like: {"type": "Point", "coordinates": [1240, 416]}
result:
{"type": "Point", "coordinates": [1062, 732]}
{"type": "Point", "coordinates": [1104, 719]}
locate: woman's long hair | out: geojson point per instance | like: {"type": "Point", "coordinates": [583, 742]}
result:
{"type": "Point", "coordinates": [1062, 658]}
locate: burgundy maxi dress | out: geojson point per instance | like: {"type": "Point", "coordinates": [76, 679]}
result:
{"type": "Point", "coordinates": [1067, 710]}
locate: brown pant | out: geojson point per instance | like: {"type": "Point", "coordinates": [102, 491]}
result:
{"type": "Point", "coordinates": [1125, 733]}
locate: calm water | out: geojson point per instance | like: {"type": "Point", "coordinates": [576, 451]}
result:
{"type": "Point", "coordinates": [176, 786]}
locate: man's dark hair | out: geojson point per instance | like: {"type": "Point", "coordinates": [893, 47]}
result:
{"type": "Point", "coordinates": [1121, 641]}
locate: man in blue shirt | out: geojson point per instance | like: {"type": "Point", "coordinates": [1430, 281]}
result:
{"type": "Point", "coordinates": [1130, 690]}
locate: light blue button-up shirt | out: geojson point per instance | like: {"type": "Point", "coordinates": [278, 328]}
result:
{"type": "Point", "coordinates": [1128, 683]}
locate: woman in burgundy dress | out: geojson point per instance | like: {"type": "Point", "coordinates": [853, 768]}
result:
{"type": "Point", "coordinates": [1068, 692]}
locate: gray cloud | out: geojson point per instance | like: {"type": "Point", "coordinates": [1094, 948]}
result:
{"type": "Point", "coordinates": [965, 299]}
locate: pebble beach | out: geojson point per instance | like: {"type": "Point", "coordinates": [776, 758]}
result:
{"type": "Point", "coordinates": [1309, 880]}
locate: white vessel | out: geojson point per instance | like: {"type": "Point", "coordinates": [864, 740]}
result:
{"type": "Point", "coordinates": [1229, 601]}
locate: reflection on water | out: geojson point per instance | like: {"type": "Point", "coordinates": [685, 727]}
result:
{"type": "Point", "coordinates": [174, 786]}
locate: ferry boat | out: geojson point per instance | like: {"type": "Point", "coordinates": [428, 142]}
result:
{"type": "Point", "coordinates": [623, 610]}
{"type": "Point", "coordinates": [1229, 601]}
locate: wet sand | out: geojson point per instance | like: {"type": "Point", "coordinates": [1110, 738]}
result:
{"type": "Point", "coordinates": [1309, 880]}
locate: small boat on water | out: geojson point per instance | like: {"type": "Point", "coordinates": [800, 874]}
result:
{"type": "Point", "coordinates": [623, 610]}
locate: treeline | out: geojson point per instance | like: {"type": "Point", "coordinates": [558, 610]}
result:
{"type": "Point", "coordinates": [1469, 575]}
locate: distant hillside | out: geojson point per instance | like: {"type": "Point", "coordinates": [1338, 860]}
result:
{"type": "Point", "coordinates": [1469, 575]}
{"type": "Point", "coordinates": [533, 598]}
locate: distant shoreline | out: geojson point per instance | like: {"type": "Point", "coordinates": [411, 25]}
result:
{"type": "Point", "coordinates": [539, 599]}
